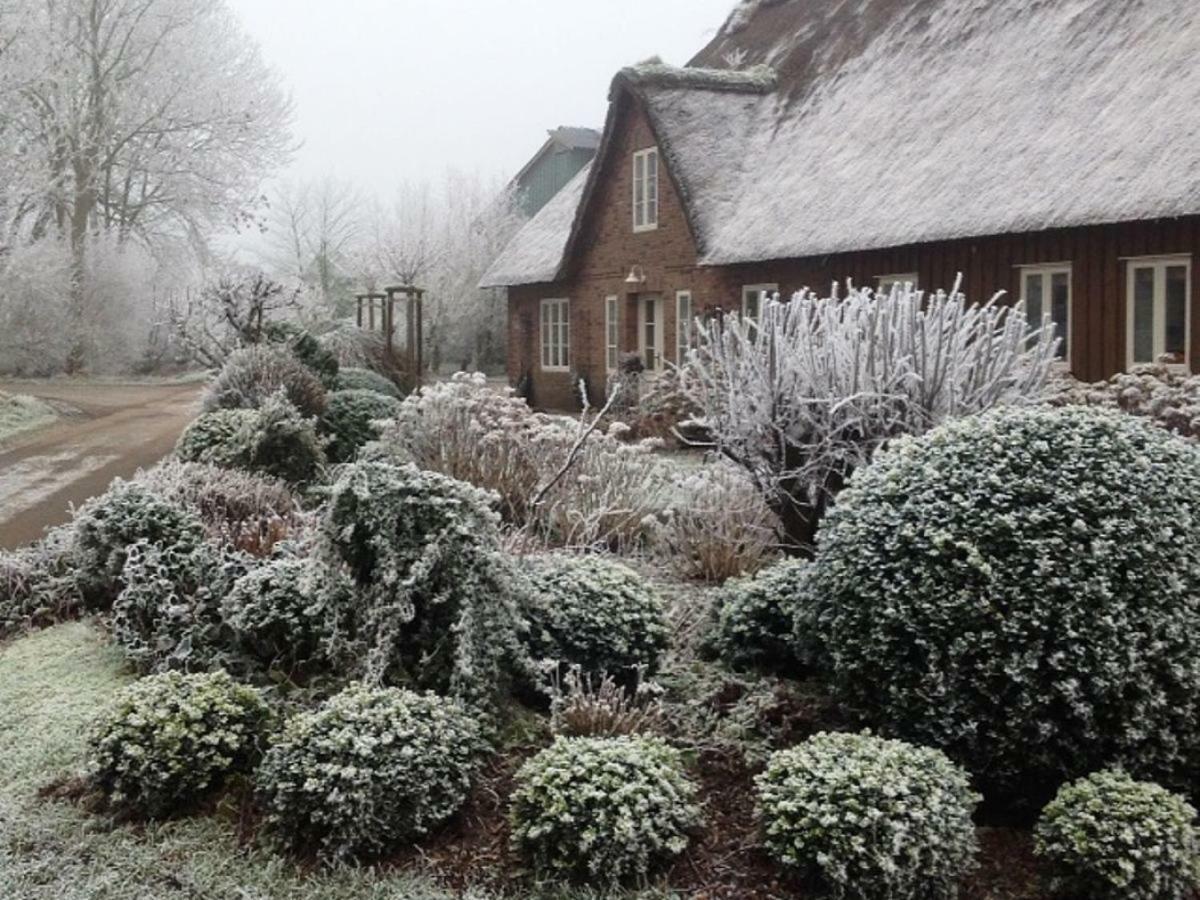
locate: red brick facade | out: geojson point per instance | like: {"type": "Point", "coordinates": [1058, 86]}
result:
{"type": "Point", "coordinates": [609, 249]}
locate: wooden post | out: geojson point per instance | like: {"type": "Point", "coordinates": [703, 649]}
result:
{"type": "Point", "coordinates": [417, 299]}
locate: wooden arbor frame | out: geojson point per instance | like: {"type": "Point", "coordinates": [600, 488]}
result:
{"type": "Point", "coordinates": [377, 312]}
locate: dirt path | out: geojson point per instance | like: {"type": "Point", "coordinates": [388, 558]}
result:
{"type": "Point", "coordinates": [119, 429]}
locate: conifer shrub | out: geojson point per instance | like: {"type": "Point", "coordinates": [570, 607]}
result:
{"type": "Point", "coordinates": [349, 421]}
{"type": "Point", "coordinates": [872, 819]}
{"type": "Point", "coordinates": [435, 602]}
{"type": "Point", "coordinates": [106, 527]}
{"type": "Point", "coordinates": [1016, 589]}
{"type": "Point", "coordinates": [317, 358]}
{"type": "Point", "coordinates": [253, 374]}
{"type": "Point", "coordinates": [351, 378]}
{"type": "Point", "coordinates": [370, 769]}
{"type": "Point", "coordinates": [170, 740]}
{"type": "Point", "coordinates": [594, 613]}
{"type": "Point", "coordinates": [603, 810]}
{"type": "Point", "coordinates": [1108, 837]}
{"type": "Point", "coordinates": [755, 626]}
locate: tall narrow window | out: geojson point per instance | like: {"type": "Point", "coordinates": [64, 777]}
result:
{"type": "Point", "coordinates": [885, 283]}
{"type": "Point", "coordinates": [650, 330]}
{"type": "Point", "coordinates": [645, 190]}
{"type": "Point", "coordinates": [753, 296]}
{"type": "Point", "coordinates": [611, 332]}
{"type": "Point", "coordinates": [1157, 296]}
{"type": "Point", "coordinates": [1046, 291]}
{"type": "Point", "coordinates": [556, 335]}
{"type": "Point", "coordinates": [683, 325]}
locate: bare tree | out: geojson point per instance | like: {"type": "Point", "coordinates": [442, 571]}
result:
{"type": "Point", "coordinates": [228, 313]}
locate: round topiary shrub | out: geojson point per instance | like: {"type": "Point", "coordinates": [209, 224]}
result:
{"type": "Point", "coordinates": [106, 526]}
{"type": "Point", "coordinates": [604, 810]}
{"type": "Point", "coordinates": [349, 421]}
{"type": "Point", "coordinates": [370, 769]}
{"type": "Point", "coordinates": [216, 437]}
{"type": "Point", "coordinates": [170, 740]}
{"type": "Point", "coordinates": [1016, 589]}
{"type": "Point", "coordinates": [594, 613]}
{"type": "Point", "coordinates": [355, 379]}
{"type": "Point", "coordinates": [305, 347]}
{"type": "Point", "coordinates": [434, 603]}
{"type": "Point", "coordinates": [870, 818]}
{"type": "Point", "coordinates": [284, 611]}
{"type": "Point", "coordinates": [254, 373]}
{"type": "Point", "coordinates": [1108, 837]}
{"type": "Point", "coordinates": [755, 618]}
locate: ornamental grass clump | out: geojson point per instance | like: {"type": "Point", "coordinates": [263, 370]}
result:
{"type": "Point", "coordinates": [603, 810]}
{"type": "Point", "coordinates": [871, 819]}
{"type": "Point", "coordinates": [349, 421]}
{"type": "Point", "coordinates": [756, 618]}
{"type": "Point", "coordinates": [1046, 563]}
{"type": "Point", "coordinates": [1108, 837]}
{"type": "Point", "coordinates": [171, 740]}
{"type": "Point", "coordinates": [254, 373]}
{"type": "Point", "coordinates": [370, 769]}
{"type": "Point", "coordinates": [435, 600]}
{"type": "Point", "coordinates": [594, 613]}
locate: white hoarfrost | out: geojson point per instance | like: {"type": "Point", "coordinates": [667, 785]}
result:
{"type": "Point", "coordinates": [806, 395]}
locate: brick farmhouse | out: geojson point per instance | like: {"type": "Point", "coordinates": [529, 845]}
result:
{"type": "Point", "coordinates": [1047, 149]}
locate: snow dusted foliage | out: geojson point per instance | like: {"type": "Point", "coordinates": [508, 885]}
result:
{"type": "Point", "coordinates": [253, 374]}
{"type": "Point", "coordinates": [1046, 563]}
{"type": "Point", "coordinates": [804, 396]}
{"type": "Point", "coordinates": [1161, 393]}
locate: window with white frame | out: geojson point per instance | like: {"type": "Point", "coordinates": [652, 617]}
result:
{"type": "Point", "coordinates": [1157, 296]}
{"type": "Point", "coordinates": [611, 332]}
{"type": "Point", "coordinates": [1046, 292]}
{"type": "Point", "coordinates": [556, 334]}
{"type": "Point", "coordinates": [683, 325]}
{"type": "Point", "coordinates": [885, 283]}
{"type": "Point", "coordinates": [753, 296]}
{"type": "Point", "coordinates": [645, 190]}
{"type": "Point", "coordinates": [650, 330]}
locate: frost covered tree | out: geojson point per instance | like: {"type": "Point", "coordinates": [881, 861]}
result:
{"type": "Point", "coordinates": [810, 391]}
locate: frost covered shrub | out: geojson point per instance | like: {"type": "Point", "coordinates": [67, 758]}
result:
{"type": "Point", "coordinates": [1047, 563]}
{"type": "Point", "coordinates": [805, 394]}
{"type": "Point", "coordinates": [285, 612]}
{"type": "Point", "coordinates": [1161, 393]}
{"type": "Point", "coordinates": [274, 440]}
{"type": "Point", "coordinates": [435, 607]}
{"type": "Point", "coordinates": [716, 525]}
{"type": "Point", "coordinates": [369, 769]}
{"type": "Point", "coordinates": [603, 810]}
{"type": "Point", "coordinates": [319, 360]}
{"type": "Point", "coordinates": [37, 587]}
{"type": "Point", "coordinates": [106, 526]}
{"type": "Point", "coordinates": [170, 740]}
{"type": "Point", "coordinates": [255, 373]}
{"type": "Point", "coordinates": [595, 613]}
{"type": "Point", "coordinates": [355, 379]}
{"type": "Point", "coordinates": [598, 705]}
{"type": "Point", "coordinates": [1108, 837]}
{"type": "Point", "coordinates": [168, 616]}
{"type": "Point", "coordinates": [873, 819]}
{"type": "Point", "coordinates": [756, 618]}
{"type": "Point", "coordinates": [350, 418]}
{"type": "Point", "coordinates": [246, 510]}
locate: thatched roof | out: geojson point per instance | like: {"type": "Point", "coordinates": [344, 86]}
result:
{"type": "Point", "coordinates": [894, 122]}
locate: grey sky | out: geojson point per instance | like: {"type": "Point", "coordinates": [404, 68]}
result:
{"type": "Point", "coordinates": [394, 90]}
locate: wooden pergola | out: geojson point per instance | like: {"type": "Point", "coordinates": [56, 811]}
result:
{"type": "Point", "coordinates": [377, 312]}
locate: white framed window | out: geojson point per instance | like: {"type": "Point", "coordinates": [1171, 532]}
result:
{"type": "Point", "coordinates": [611, 332]}
{"type": "Point", "coordinates": [684, 325]}
{"type": "Point", "coordinates": [885, 283]}
{"type": "Point", "coordinates": [650, 331]}
{"type": "Point", "coordinates": [1046, 292]}
{"type": "Point", "coordinates": [556, 335]}
{"type": "Point", "coordinates": [753, 296]}
{"type": "Point", "coordinates": [1158, 296]}
{"type": "Point", "coordinates": [645, 190]}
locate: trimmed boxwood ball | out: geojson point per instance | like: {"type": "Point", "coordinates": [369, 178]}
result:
{"type": "Point", "coordinates": [1022, 590]}
{"type": "Point", "coordinates": [354, 379]}
{"type": "Point", "coordinates": [284, 611]}
{"type": "Point", "coordinates": [603, 810]}
{"type": "Point", "coordinates": [755, 618]}
{"type": "Point", "coordinates": [349, 418]}
{"type": "Point", "coordinates": [1108, 837]}
{"type": "Point", "coordinates": [216, 437]}
{"type": "Point", "coordinates": [368, 770]}
{"type": "Point", "coordinates": [873, 819]}
{"type": "Point", "coordinates": [595, 613]}
{"type": "Point", "coordinates": [252, 374]}
{"type": "Point", "coordinates": [170, 740]}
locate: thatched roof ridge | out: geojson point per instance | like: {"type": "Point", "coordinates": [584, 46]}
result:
{"type": "Point", "coordinates": [759, 79]}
